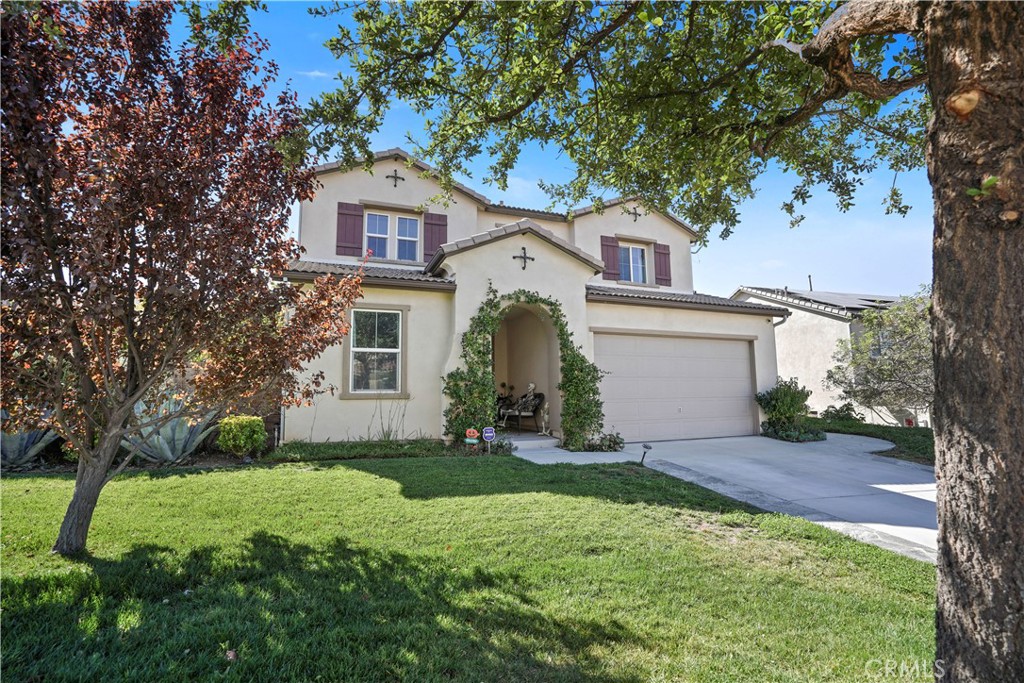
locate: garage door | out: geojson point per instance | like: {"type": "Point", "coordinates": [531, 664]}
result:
{"type": "Point", "coordinates": [675, 388]}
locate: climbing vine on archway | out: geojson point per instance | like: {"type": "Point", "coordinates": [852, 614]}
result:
{"type": "Point", "coordinates": [471, 391]}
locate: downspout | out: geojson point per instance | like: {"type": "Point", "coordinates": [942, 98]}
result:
{"type": "Point", "coordinates": [280, 428]}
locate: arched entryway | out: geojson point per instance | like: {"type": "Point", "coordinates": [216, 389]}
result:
{"type": "Point", "coordinates": [526, 350]}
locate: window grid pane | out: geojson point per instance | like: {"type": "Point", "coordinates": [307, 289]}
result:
{"type": "Point", "coordinates": [376, 357]}
{"type": "Point", "coordinates": [639, 270]}
{"type": "Point", "coordinates": [376, 224]}
{"type": "Point", "coordinates": [409, 228]}
{"type": "Point", "coordinates": [407, 250]}
{"type": "Point", "coordinates": [624, 263]}
{"type": "Point", "coordinates": [378, 245]}
{"type": "Point", "coordinates": [374, 371]}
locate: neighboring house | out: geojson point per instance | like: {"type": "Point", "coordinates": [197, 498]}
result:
{"type": "Point", "coordinates": [806, 339]}
{"type": "Point", "coordinates": [680, 364]}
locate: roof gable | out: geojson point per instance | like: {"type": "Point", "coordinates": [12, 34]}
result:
{"type": "Point", "coordinates": [524, 226]}
{"type": "Point", "coordinates": [399, 154]}
{"type": "Point", "coordinates": [679, 223]}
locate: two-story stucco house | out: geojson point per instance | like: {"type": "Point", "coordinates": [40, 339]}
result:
{"type": "Point", "coordinates": [806, 339]}
{"type": "Point", "coordinates": [680, 364]}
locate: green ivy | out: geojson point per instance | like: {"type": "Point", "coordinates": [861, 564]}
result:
{"type": "Point", "coordinates": [470, 389]}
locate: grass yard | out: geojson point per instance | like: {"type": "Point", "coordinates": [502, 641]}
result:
{"type": "Point", "coordinates": [441, 569]}
{"type": "Point", "coordinates": [916, 444]}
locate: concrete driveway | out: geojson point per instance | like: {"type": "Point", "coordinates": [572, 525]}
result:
{"type": "Point", "coordinates": [837, 483]}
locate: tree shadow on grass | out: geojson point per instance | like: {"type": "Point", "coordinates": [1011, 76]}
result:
{"type": "Point", "coordinates": [626, 483]}
{"type": "Point", "coordinates": [284, 611]}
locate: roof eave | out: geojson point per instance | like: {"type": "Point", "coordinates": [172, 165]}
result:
{"type": "Point", "coordinates": [688, 305]}
{"type": "Point", "coordinates": [810, 307]}
{"type": "Point", "coordinates": [394, 283]}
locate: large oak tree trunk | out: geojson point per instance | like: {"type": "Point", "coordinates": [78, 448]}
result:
{"type": "Point", "coordinates": [976, 54]}
{"type": "Point", "coordinates": [89, 481]}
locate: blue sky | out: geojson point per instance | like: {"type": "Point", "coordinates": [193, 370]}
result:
{"type": "Point", "coordinates": [862, 250]}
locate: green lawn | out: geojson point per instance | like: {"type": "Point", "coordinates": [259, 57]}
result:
{"type": "Point", "coordinates": [916, 444]}
{"type": "Point", "coordinates": [440, 569]}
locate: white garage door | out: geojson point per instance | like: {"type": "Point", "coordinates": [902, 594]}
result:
{"type": "Point", "coordinates": [675, 388]}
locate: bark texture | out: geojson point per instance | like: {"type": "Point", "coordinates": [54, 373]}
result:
{"type": "Point", "coordinates": [91, 477]}
{"type": "Point", "coordinates": [975, 55]}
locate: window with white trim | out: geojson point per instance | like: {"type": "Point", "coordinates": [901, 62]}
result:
{"type": "Point", "coordinates": [377, 229]}
{"type": "Point", "coordinates": [633, 263]}
{"type": "Point", "coordinates": [408, 239]}
{"type": "Point", "coordinates": [403, 244]}
{"type": "Point", "coordinates": [376, 354]}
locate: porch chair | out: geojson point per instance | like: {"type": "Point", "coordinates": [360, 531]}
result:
{"type": "Point", "coordinates": [524, 407]}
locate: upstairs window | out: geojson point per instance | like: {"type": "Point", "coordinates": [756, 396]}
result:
{"type": "Point", "coordinates": [632, 263]}
{"type": "Point", "coordinates": [377, 229]}
{"type": "Point", "coordinates": [402, 244]}
{"type": "Point", "coordinates": [408, 239]}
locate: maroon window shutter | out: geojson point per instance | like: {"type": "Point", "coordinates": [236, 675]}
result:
{"type": "Point", "coordinates": [662, 265]}
{"type": "Point", "coordinates": [435, 233]}
{"type": "Point", "coordinates": [350, 229]}
{"type": "Point", "coordinates": [610, 256]}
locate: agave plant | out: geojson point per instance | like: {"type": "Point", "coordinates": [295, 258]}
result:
{"type": "Point", "coordinates": [18, 449]}
{"type": "Point", "coordinates": [173, 438]}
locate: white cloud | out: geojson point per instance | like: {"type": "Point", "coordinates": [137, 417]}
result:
{"type": "Point", "coordinates": [315, 73]}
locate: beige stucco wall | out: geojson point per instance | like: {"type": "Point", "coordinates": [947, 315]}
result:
{"type": "Point", "coordinates": [318, 220]}
{"type": "Point", "coordinates": [428, 338]}
{"type": "Point", "coordinates": [640, 319]}
{"type": "Point", "coordinates": [806, 343]}
{"type": "Point", "coordinates": [466, 217]}
{"type": "Point", "coordinates": [653, 227]}
{"type": "Point", "coordinates": [494, 217]}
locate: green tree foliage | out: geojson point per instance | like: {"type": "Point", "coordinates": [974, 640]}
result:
{"type": "Point", "coordinates": [618, 86]}
{"type": "Point", "coordinates": [887, 362]}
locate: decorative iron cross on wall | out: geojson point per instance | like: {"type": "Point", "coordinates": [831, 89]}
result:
{"type": "Point", "coordinates": [634, 212]}
{"type": "Point", "coordinates": [395, 177]}
{"type": "Point", "coordinates": [524, 258]}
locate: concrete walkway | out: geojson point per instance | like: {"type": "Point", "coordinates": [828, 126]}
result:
{"type": "Point", "coordinates": [837, 483]}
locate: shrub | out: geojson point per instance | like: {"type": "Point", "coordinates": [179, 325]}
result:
{"type": "Point", "coordinates": [797, 433]}
{"type": "Point", "coordinates": [605, 443]}
{"type": "Point", "coordinates": [785, 408]}
{"type": "Point", "coordinates": [844, 413]}
{"type": "Point", "coordinates": [173, 439]}
{"type": "Point", "coordinates": [785, 404]}
{"type": "Point", "coordinates": [242, 434]}
{"type": "Point", "coordinates": [502, 446]}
